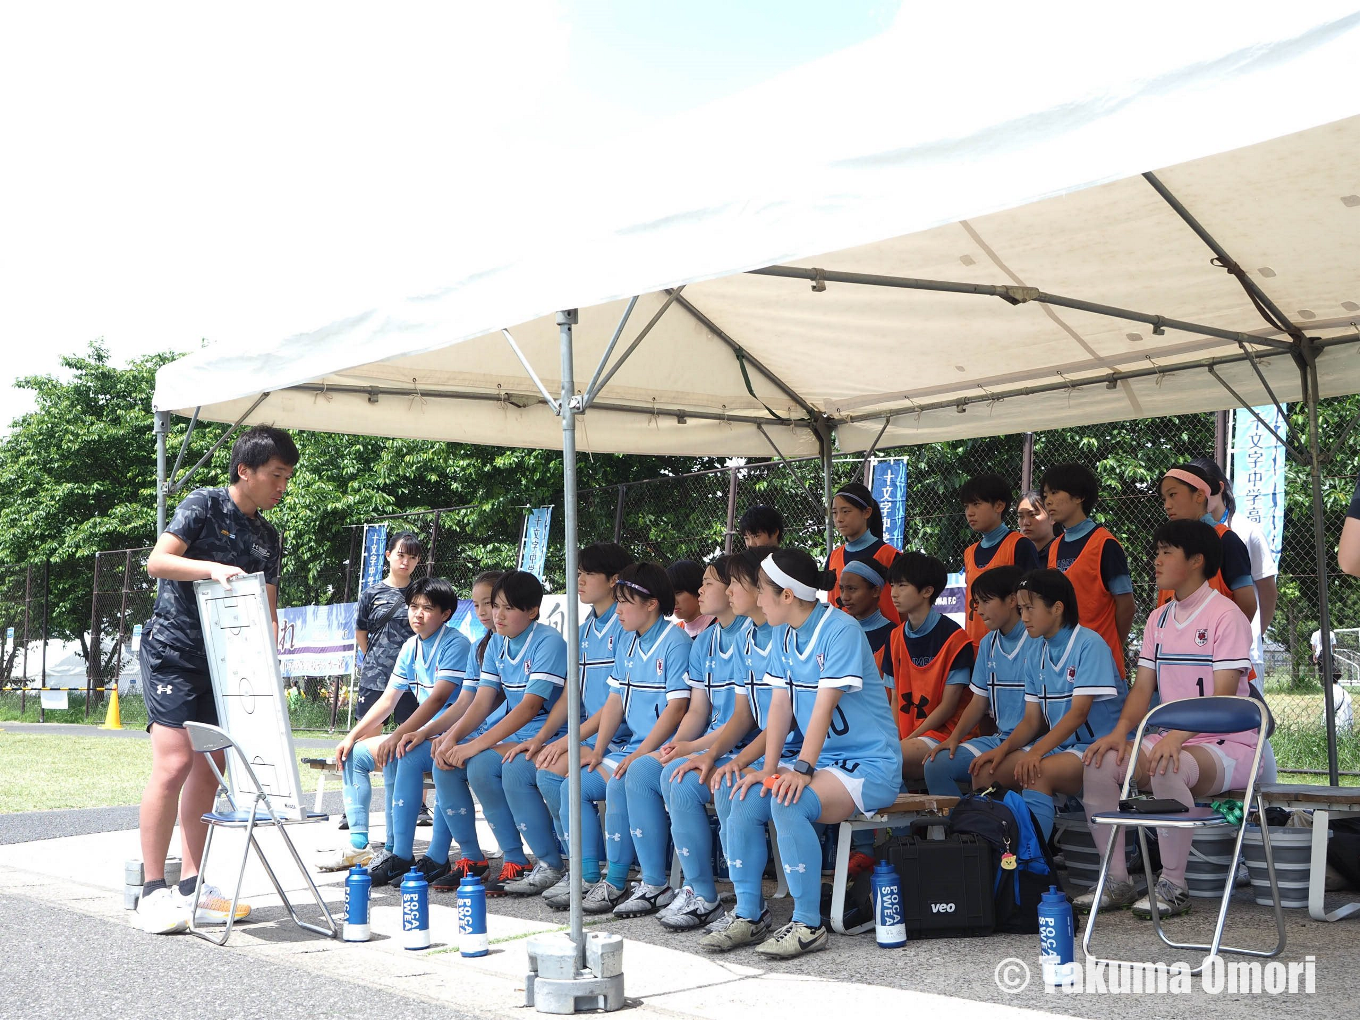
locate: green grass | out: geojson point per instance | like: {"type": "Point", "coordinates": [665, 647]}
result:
{"type": "Point", "coordinates": [309, 718]}
{"type": "Point", "coordinates": [44, 771]}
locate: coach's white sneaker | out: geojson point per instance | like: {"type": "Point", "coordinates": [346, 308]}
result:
{"type": "Point", "coordinates": [162, 913]}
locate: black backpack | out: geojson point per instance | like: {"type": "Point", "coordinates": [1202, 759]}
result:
{"type": "Point", "coordinates": [1004, 820]}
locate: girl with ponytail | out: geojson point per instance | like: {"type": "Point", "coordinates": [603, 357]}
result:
{"type": "Point", "coordinates": [857, 517]}
{"type": "Point", "coordinates": [826, 683]}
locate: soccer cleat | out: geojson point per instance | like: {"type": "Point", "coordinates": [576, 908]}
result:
{"type": "Point", "coordinates": [559, 896]}
{"type": "Point", "coordinates": [680, 902]}
{"type": "Point", "coordinates": [1171, 900]}
{"type": "Point", "coordinates": [164, 912]}
{"type": "Point", "coordinates": [542, 878]}
{"type": "Point", "coordinates": [424, 818]}
{"type": "Point", "coordinates": [432, 870]}
{"type": "Point", "coordinates": [388, 868]}
{"type": "Point", "coordinates": [459, 870]}
{"type": "Point", "coordinates": [213, 906]}
{"type": "Point", "coordinates": [602, 897]}
{"type": "Point", "coordinates": [794, 939]}
{"type": "Point", "coordinates": [510, 872]}
{"type": "Point", "coordinates": [1117, 896]}
{"type": "Point", "coordinates": [693, 913]}
{"type": "Point", "coordinates": [860, 863]}
{"type": "Point", "coordinates": [346, 858]}
{"type": "Point", "coordinates": [344, 823]}
{"type": "Point", "coordinates": [735, 933]}
{"type": "Point", "coordinates": [380, 854]}
{"type": "Point", "coordinates": [644, 899]}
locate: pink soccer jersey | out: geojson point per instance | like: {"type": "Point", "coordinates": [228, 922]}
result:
{"type": "Point", "coordinates": [1212, 633]}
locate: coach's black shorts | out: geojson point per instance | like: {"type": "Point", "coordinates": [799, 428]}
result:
{"type": "Point", "coordinates": [402, 711]}
{"type": "Point", "coordinates": [175, 692]}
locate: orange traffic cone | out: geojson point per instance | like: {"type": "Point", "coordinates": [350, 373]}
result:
{"type": "Point", "coordinates": [112, 720]}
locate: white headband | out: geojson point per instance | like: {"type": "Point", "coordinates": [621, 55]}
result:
{"type": "Point", "coordinates": [804, 591]}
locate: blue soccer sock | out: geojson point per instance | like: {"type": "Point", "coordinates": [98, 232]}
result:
{"type": "Point", "coordinates": [532, 818]}
{"type": "Point", "coordinates": [550, 785]}
{"type": "Point", "coordinates": [747, 848]}
{"type": "Point", "coordinates": [618, 846]}
{"type": "Point", "coordinates": [802, 854]}
{"type": "Point", "coordinates": [455, 804]}
{"type": "Point", "coordinates": [944, 774]}
{"type": "Point", "coordinates": [358, 840]}
{"type": "Point", "coordinates": [484, 776]}
{"type": "Point", "coordinates": [688, 801]}
{"type": "Point", "coordinates": [647, 818]}
{"type": "Point", "coordinates": [357, 787]}
{"type": "Point", "coordinates": [412, 768]}
{"type": "Point", "coordinates": [1042, 806]}
{"type": "Point", "coordinates": [593, 790]}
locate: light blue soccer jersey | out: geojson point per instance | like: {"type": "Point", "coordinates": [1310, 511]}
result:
{"type": "Point", "coordinates": [1001, 674]}
{"type": "Point", "coordinates": [649, 670]}
{"type": "Point", "coordinates": [423, 663]}
{"type": "Point", "coordinates": [539, 666]}
{"type": "Point", "coordinates": [1078, 662]}
{"type": "Point", "coordinates": [830, 650]}
{"type": "Point", "coordinates": [472, 678]}
{"type": "Point", "coordinates": [756, 649]}
{"type": "Point", "coordinates": [718, 668]}
{"type": "Point", "coordinates": [600, 637]}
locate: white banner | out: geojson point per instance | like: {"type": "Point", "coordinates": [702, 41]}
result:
{"type": "Point", "coordinates": [316, 640]}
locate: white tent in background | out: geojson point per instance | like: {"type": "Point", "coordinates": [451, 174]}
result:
{"type": "Point", "coordinates": [969, 249]}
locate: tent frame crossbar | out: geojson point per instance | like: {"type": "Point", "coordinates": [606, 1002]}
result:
{"type": "Point", "coordinates": [1017, 295]}
{"type": "Point", "coordinates": [1109, 380]}
{"type": "Point", "coordinates": [594, 386]}
{"type": "Point", "coordinates": [166, 485]}
{"type": "Point", "coordinates": [595, 389]}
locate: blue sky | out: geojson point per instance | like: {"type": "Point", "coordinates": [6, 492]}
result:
{"type": "Point", "coordinates": [167, 149]}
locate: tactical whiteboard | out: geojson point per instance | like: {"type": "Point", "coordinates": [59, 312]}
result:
{"type": "Point", "coordinates": [248, 689]}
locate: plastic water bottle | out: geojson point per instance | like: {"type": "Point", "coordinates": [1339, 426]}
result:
{"type": "Point", "coordinates": [358, 887]}
{"type": "Point", "coordinates": [890, 927]}
{"type": "Point", "coordinates": [471, 917]}
{"type": "Point", "coordinates": [1055, 937]}
{"type": "Point", "coordinates": [415, 911]}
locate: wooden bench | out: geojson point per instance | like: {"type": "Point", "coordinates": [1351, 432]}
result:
{"type": "Point", "coordinates": [903, 811]}
{"type": "Point", "coordinates": [1323, 801]}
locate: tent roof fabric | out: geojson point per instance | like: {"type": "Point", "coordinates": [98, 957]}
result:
{"type": "Point", "coordinates": [1016, 174]}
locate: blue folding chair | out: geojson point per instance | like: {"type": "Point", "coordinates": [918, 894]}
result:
{"type": "Point", "coordinates": [249, 809]}
{"type": "Point", "coordinates": [1215, 714]}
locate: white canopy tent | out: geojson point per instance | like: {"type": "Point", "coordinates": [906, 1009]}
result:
{"type": "Point", "coordinates": [962, 200]}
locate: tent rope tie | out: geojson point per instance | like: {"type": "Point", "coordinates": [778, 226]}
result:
{"type": "Point", "coordinates": [1238, 273]}
{"type": "Point", "coordinates": [746, 378]}
{"type": "Point", "coordinates": [417, 395]}
{"type": "Point", "coordinates": [1161, 372]}
{"type": "Point", "coordinates": [330, 397]}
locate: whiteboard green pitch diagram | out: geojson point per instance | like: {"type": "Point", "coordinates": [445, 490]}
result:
{"type": "Point", "coordinates": [248, 689]}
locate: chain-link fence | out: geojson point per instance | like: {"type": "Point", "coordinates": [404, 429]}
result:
{"type": "Point", "coordinates": [694, 515]}
{"type": "Point", "coordinates": [23, 636]}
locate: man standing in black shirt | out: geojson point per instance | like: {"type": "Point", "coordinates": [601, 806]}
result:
{"type": "Point", "coordinates": [217, 534]}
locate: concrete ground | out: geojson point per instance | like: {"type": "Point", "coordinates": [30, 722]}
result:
{"type": "Point", "coordinates": [71, 952]}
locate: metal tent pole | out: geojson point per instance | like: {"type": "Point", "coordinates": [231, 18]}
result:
{"type": "Point", "coordinates": [570, 402]}
{"type": "Point", "coordinates": [1308, 371]}
{"type": "Point", "coordinates": [162, 429]}
{"type": "Point", "coordinates": [824, 437]}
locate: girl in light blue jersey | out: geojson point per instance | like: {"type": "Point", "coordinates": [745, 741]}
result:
{"type": "Point", "coordinates": [597, 570]}
{"type": "Point", "coordinates": [1006, 658]}
{"type": "Point", "coordinates": [526, 663]}
{"type": "Point", "coordinates": [649, 692]}
{"type": "Point", "coordinates": [717, 679]}
{"type": "Point", "coordinates": [743, 818]}
{"type": "Point", "coordinates": [1075, 692]}
{"type": "Point", "coordinates": [825, 678]}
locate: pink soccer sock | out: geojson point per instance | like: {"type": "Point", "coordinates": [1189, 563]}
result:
{"type": "Point", "coordinates": [1175, 843]}
{"type": "Point", "coordinates": [1100, 793]}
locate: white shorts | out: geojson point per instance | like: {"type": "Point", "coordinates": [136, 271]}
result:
{"type": "Point", "coordinates": [867, 789]}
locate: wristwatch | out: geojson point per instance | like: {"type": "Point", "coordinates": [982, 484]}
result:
{"type": "Point", "coordinates": [804, 768]}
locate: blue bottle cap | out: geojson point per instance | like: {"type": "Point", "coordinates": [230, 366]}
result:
{"type": "Point", "coordinates": [884, 868]}
{"type": "Point", "coordinates": [1053, 895]}
{"type": "Point", "coordinates": [471, 882]}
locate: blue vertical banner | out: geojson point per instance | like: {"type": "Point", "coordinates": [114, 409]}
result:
{"type": "Point", "coordinates": [533, 545]}
{"type": "Point", "coordinates": [374, 563]}
{"type": "Point", "coordinates": [1257, 471]}
{"type": "Point", "coordinates": [890, 489]}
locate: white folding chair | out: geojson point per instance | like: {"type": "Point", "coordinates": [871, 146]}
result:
{"type": "Point", "coordinates": [248, 808]}
{"type": "Point", "coordinates": [1216, 714]}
